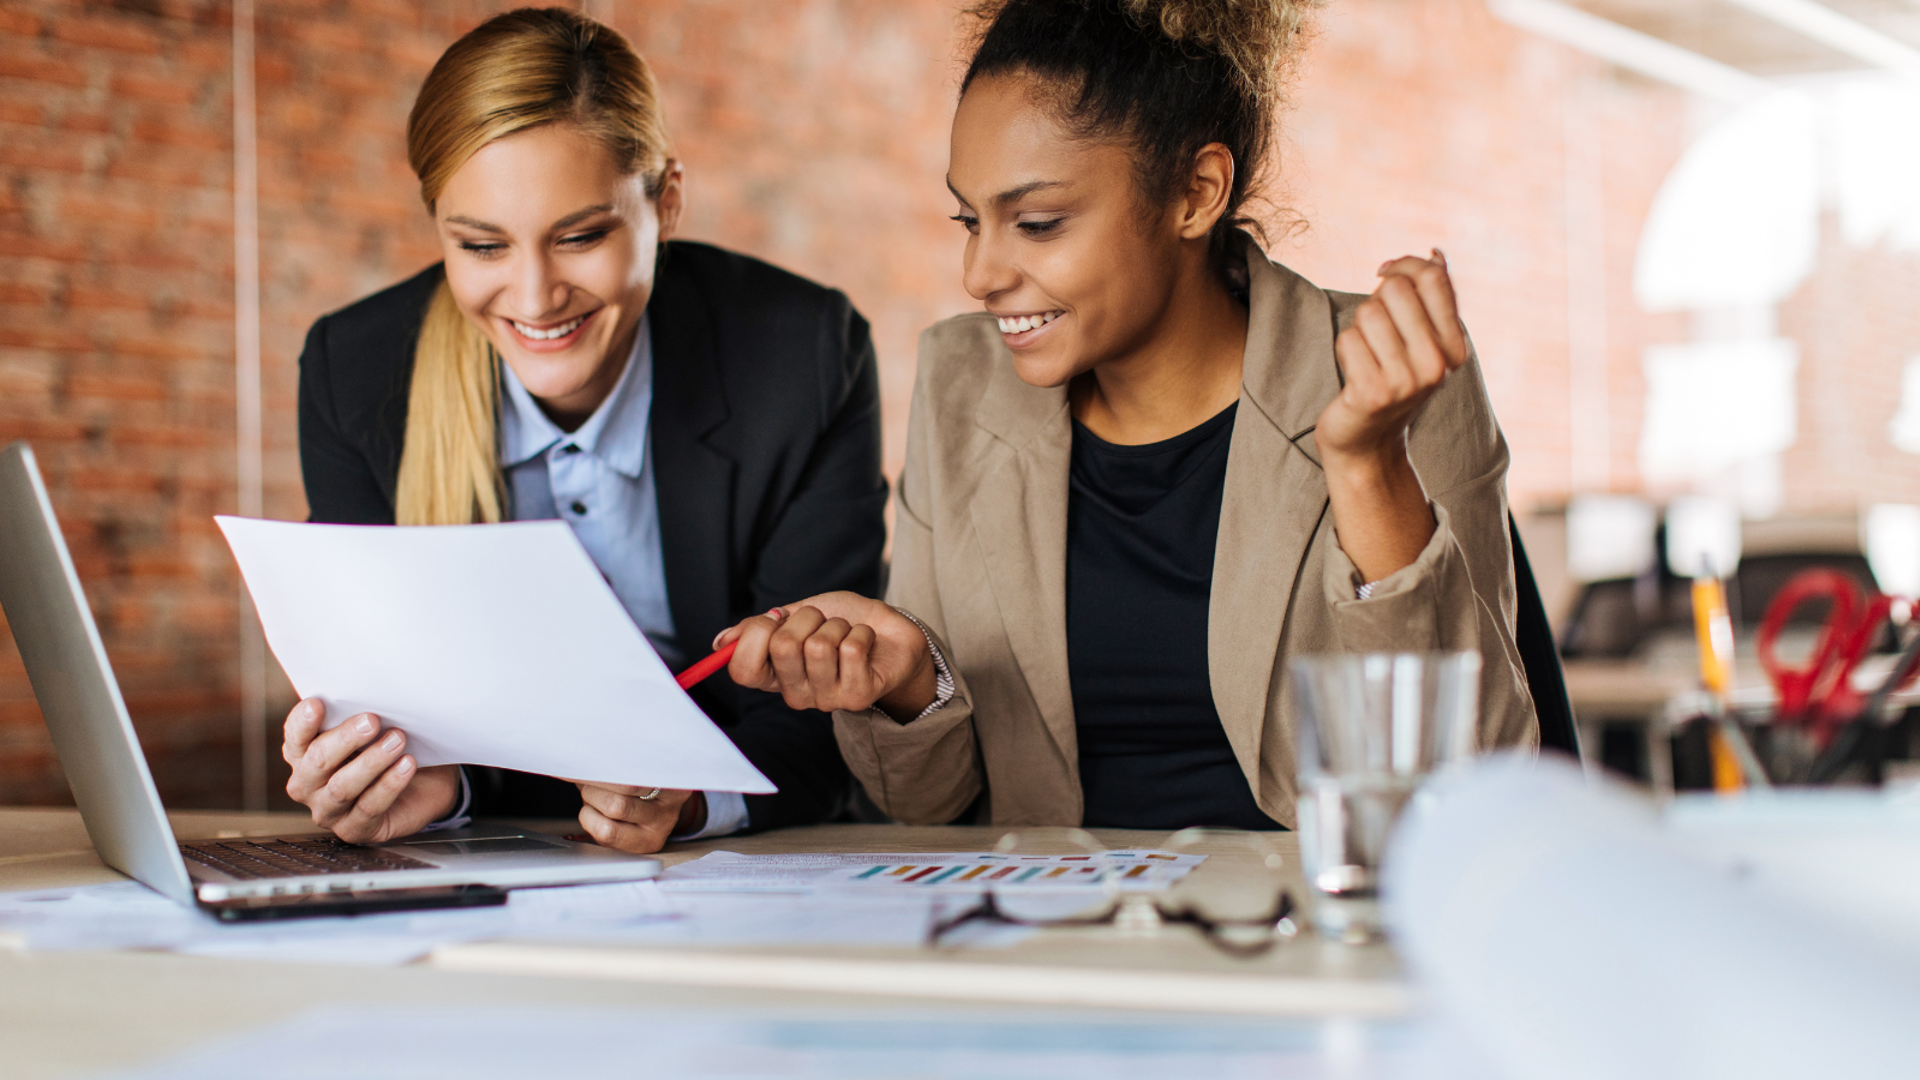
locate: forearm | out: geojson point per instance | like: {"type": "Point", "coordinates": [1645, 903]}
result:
{"type": "Point", "coordinates": [1380, 510]}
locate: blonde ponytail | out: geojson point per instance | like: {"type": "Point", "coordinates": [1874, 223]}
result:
{"type": "Point", "coordinates": [450, 466]}
{"type": "Point", "coordinates": [515, 71]}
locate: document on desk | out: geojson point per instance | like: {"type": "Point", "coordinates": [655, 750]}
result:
{"type": "Point", "coordinates": [730, 871]}
{"type": "Point", "coordinates": [488, 644]}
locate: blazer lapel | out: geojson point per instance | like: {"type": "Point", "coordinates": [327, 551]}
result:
{"type": "Point", "coordinates": [1019, 513]}
{"type": "Point", "coordinates": [1275, 495]}
{"type": "Point", "coordinates": [693, 480]}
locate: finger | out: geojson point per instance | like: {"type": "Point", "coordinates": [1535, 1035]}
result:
{"type": "Point", "coordinates": [721, 639]}
{"type": "Point", "coordinates": [822, 654]}
{"type": "Point", "coordinates": [350, 782]}
{"type": "Point", "coordinates": [303, 723]}
{"type": "Point", "coordinates": [1375, 324]}
{"type": "Point", "coordinates": [787, 650]}
{"type": "Point", "coordinates": [618, 805]}
{"type": "Point", "coordinates": [326, 753]}
{"type": "Point", "coordinates": [330, 749]}
{"type": "Point", "coordinates": [365, 821]}
{"type": "Point", "coordinates": [620, 835]}
{"type": "Point", "coordinates": [1403, 302]}
{"type": "Point", "coordinates": [858, 680]}
{"type": "Point", "coordinates": [1359, 370]}
{"type": "Point", "coordinates": [751, 666]}
{"type": "Point", "coordinates": [1435, 283]}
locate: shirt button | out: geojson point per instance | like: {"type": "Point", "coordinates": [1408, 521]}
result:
{"type": "Point", "coordinates": [570, 448]}
{"type": "Point", "coordinates": [579, 507]}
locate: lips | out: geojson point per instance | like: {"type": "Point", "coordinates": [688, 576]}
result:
{"type": "Point", "coordinates": [1020, 324]}
{"type": "Point", "coordinates": [551, 333]}
{"type": "Point", "coordinates": [553, 336]}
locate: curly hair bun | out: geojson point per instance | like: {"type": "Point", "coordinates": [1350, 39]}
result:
{"type": "Point", "coordinates": [1171, 76]}
{"type": "Point", "coordinates": [1255, 37]}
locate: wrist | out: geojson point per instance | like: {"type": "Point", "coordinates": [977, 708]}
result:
{"type": "Point", "coordinates": [693, 815]}
{"type": "Point", "coordinates": [915, 693]}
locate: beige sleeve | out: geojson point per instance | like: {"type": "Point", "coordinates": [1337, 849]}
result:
{"type": "Point", "coordinates": [1459, 594]}
{"type": "Point", "coordinates": [926, 771]}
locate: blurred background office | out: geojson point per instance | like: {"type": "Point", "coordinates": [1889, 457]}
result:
{"type": "Point", "coordinates": [1686, 235]}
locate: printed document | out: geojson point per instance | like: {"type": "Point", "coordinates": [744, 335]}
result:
{"type": "Point", "coordinates": [488, 644]}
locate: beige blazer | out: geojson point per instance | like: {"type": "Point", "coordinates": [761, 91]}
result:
{"type": "Point", "coordinates": [980, 547]}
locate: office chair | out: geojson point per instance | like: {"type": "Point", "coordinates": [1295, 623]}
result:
{"type": "Point", "coordinates": [1540, 657]}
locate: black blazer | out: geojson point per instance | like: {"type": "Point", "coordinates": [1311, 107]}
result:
{"type": "Point", "coordinates": [766, 444]}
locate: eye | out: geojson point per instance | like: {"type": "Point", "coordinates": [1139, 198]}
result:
{"type": "Point", "coordinates": [1040, 228]}
{"type": "Point", "coordinates": [583, 239]}
{"type": "Point", "coordinates": [972, 223]}
{"type": "Point", "coordinates": [483, 248]}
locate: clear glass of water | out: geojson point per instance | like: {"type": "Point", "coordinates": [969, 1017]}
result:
{"type": "Point", "coordinates": [1372, 727]}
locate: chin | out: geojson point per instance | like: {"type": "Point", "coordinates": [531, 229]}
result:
{"type": "Point", "coordinates": [1043, 373]}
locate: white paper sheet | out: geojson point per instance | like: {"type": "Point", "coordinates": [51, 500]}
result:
{"type": "Point", "coordinates": [965, 871]}
{"type": "Point", "coordinates": [521, 1040]}
{"type": "Point", "coordinates": [488, 644]}
{"type": "Point", "coordinates": [128, 915]}
{"type": "Point", "coordinates": [1571, 935]}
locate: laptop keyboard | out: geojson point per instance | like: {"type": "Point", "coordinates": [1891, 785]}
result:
{"type": "Point", "coordinates": [306, 856]}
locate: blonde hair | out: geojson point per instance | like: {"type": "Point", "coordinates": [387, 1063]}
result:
{"type": "Point", "coordinates": [516, 71]}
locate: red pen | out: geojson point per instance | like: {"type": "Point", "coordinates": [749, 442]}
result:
{"type": "Point", "coordinates": [698, 672]}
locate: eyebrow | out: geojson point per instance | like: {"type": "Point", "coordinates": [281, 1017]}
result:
{"type": "Point", "coordinates": [571, 219]}
{"type": "Point", "coordinates": [1013, 194]}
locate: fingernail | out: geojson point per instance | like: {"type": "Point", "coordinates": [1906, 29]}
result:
{"type": "Point", "coordinates": [405, 765]}
{"type": "Point", "coordinates": [392, 741]}
{"type": "Point", "coordinates": [776, 614]}
{"type": "Point", "coordinates": [717, 639]}
{"type": "Point", "coordinates": [312, 709]}
{"type": "Point", "coordinates": [364, 726]}
{"type": "Point", "coordinates": [1439, 256]}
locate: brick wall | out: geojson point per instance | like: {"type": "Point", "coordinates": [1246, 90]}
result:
{"type": "Point", "coordinates": [814, 134]}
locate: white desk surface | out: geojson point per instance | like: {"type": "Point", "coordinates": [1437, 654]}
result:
{"type": "Point", "coordinates": [71, 1014]}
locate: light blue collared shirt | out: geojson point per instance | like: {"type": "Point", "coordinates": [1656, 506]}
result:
{"type": "Point", "coordinates": [599, 480]}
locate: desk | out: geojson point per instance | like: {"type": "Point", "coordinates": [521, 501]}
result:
{"type": "Point", "coordinates": [65, 1014]}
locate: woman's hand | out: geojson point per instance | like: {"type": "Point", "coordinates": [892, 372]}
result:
{"type": "Point", "coordinates": [1405, 339]}
{"type": "Point", "coordinates": [838, 650]}
{"type": "Point", "coordinates": [618, 816]}
{"type": "Point", "coordinates": [360, 784]}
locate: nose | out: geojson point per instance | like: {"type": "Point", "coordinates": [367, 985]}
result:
{"type": "Point", "coordinates": [987, 269]}
{"type": "Point", "coordinates": [537, 288]}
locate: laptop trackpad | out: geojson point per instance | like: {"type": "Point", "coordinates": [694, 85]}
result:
{"type": "Point", "coordinates": [485, 845]}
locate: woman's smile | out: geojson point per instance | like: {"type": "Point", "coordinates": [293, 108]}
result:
{"type": "Point", "coordinates": [1022, 331]}
{"type": "Point", "coordinates": [551, 336]}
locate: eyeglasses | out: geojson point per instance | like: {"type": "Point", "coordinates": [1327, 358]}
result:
{"type": "Point", "coordinates": [1065, 877]}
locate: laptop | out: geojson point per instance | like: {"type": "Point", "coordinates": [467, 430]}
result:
{"type": "Point", "coordinates": [250, 878]}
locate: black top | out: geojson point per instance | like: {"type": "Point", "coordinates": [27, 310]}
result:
{"type": "Point", "coordinates": [766, 447]}
{"type": "Point", "coordinates": [1141, 526]}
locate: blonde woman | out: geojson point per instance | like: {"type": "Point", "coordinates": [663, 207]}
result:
{"type": "Point", "coordinates": [707, 424]}
{"type": "Point", "coordinates": [1158, 464]}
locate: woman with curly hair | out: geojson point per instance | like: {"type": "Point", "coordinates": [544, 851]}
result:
{"type": "Point", "coordinates": [1158, 465]}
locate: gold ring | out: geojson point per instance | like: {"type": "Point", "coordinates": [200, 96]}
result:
{"type": "Point", "coordinates": [654, 794]}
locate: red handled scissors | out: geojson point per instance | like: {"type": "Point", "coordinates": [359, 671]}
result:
{"type": "Point", "coordinates": [1819, 693]}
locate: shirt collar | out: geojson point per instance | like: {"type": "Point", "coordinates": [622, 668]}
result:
{"type": "Point", "coordinates": [616, 432]}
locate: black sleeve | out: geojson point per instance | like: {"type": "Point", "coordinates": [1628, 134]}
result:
{"type": "Point", "coordinates": [340, 482]}
{"type": "Point", "coordinates": [829, 536]}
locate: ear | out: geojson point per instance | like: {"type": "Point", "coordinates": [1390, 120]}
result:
{"type": "Point", "coordinates": [1209, 187]}
{"type": "Point", "coordinates": [672, 198]}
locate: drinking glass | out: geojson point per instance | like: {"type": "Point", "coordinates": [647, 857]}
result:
{"type": "Point", "coordinates": [1372, 726]}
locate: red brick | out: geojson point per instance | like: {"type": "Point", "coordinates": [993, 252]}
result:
{"type": "Point", "coordinates": [40, 69]}
{"type": "Point", "coordinates": [117, 35]}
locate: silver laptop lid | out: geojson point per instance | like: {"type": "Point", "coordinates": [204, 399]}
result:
{"type": "Point", "coordinates": [74, 683]}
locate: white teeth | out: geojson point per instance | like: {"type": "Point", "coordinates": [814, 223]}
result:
{"type": "Point", "coordinates": [548, 335]}
{"type": "Point", "coordinates": [1020, 324]}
